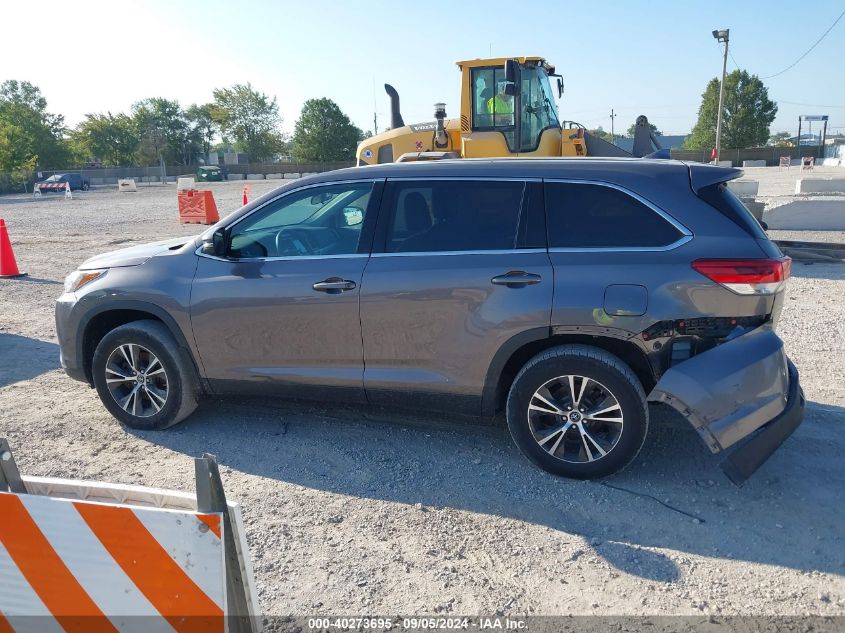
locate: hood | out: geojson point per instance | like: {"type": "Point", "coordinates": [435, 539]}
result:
{"type": "Point", "coordinates": [134, 255]}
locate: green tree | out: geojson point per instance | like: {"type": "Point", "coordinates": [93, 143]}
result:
{"type": "Point", "coordinates": [747, 113]}
{"type": "Point", "coordinates": [203, 126]}
{"type": "Point", "coordinates": [251, 119]}
{"type": "Point", "coordinates": [324, 133]}
{"type": "Point", "coordinates": [651, 126]}
{"type": "Point", "coordinates": [781, 139]}
{"type": "Point", "coordinates": [114, 139]}
{"type": "Point", "coordinates": [32, 133]}
{"type": "Point", "coordinates": [602, 134]}
{"type": "Point", "coordinates": [164, 130]}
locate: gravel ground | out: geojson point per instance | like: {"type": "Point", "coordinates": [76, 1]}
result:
{"type": "Point", "coordinates": [352, 511]}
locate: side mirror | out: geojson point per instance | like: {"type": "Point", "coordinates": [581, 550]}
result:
{"type": "Point", "coordinates": [510, 71]}
{"type": "Point", "coordinates": [220, 242]}
{"type": "Point", "coordinates": [559, 88]}
{"type": "Point", "coordinates": [764, 225]}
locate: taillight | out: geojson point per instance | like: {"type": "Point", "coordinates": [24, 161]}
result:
{"type": "Point", "coordinates": [747, 276]}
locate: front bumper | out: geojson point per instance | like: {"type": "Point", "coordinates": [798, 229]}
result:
{"type": "Point", "coordinates": [67, 325]}
{"type": "Point", "coordinates": [745, 460]}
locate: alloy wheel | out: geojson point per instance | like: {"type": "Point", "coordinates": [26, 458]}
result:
{"type": "Point", "coordinates": [575, 419]}
{"type": "Point", "coordinates": [136, 380]}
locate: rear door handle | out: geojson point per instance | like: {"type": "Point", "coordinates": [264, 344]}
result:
{"type": "Point", "coordinates": [516, 279]}
{"type": "Point", "coordinates": [334, 285]}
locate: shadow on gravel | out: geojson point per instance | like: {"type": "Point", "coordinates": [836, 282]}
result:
{"type": "Point", "coordinates": [22, 358]}
{"type": "Point", "coordinates": [672, 497]}
{"type": "Point", "coordinates": [37, 280]}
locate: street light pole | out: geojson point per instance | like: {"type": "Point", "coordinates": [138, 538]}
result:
{"type": "Point", "coordinates": [721, 36]}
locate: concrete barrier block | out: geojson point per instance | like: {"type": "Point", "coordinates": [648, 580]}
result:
{"type": "Point", "coordinates": [807, 215]}
{"type": "Point", "coordinates": [274, 176]}
{"type": "Point", "coordinates": [290, 176]}
{"type": "Point", "coordinates": [255, 176]}
{"type": "Point", "coordinates": [820, 185]}
{"type": "Point", "coordinates": [832, 162]}
{"type": "Point", "coordinates": [744, 188]}
{"type": "Point", "coordinates": [309, 173]}
{"type": "Point", "coordinates": [725, 163]}
{"type": "Point", "coordinates": [753, 163]}
{"type": "Point", "coordinates": [185, 182]}
{"type": "Point", "coordinates": [236, 176]}
{"type": "Point", "coordinates": [126, 184]}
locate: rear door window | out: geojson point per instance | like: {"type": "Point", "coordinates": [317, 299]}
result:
{"type": "Point", "coordinates": [588, 215]}
{"type": "Point", "coordinates": [453, 216]}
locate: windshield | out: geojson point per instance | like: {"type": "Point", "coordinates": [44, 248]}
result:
{"type": "Point", "coordinates": [538, 106]}
{"type": "Point", "coordinates": [55, 178]}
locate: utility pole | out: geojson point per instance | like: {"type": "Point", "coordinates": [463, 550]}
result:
{"type": "Point", "coordinates": [612, 129]}
{"type": "Point", "coordinates": [721, 36]}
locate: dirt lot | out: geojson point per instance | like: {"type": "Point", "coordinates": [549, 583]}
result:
{"type": "Point", "coordinates": [352, 511]}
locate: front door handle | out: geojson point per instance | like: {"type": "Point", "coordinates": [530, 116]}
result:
{"type": "Point", "coordinates": [516, 279]}
{"type": "Point", "coordinates": [334, 285]}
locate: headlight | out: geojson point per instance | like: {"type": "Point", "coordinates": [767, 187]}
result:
{"type": "Point", "coordinates": [79, 278]}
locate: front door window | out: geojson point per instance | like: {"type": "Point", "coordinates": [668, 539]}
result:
{"type": "Point", "coordinates": [317, 221]}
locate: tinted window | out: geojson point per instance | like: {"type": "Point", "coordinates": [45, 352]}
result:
{"type": "Point", "coordinates": [450, 215]}
{"type": "Point", "coordinates": [595, 216]}
{"type": "Point", "coordinates": [315, 221]}
{"type": "Point", "coordinates": [726, 202]}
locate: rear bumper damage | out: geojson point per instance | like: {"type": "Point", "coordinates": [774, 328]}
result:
{"type": "Point", "coordinates": [745, 389]}
{"type": "Point", "coordinates": [747, 458]}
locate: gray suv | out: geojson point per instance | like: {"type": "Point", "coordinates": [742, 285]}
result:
{"type": "Point", "coordinates": [565, 293]}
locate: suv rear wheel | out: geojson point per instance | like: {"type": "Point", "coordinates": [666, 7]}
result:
{"type": "Point", "coordinates": [141, 378]}
{"type": "Point", "coordinates": [578, 411]}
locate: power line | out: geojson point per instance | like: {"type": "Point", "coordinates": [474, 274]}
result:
{"type": "Point", "coordinates": [793, 64]}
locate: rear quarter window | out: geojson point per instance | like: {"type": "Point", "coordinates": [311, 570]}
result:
{"type": "Point", "coordinates": [728, 204]}
{"type": "Point", "coordinates": [585, 215]}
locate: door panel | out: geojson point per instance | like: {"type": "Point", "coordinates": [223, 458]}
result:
{"type": "Point", "coordinates": [262, 325]}
{"type": "Point", "coordinates": [433, 323]}
{"type": "Point", "coordinates": [462, 269]}
{"type": "Point", "coordinates": [279, 314]}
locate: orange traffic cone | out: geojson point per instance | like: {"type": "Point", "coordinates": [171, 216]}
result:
{"type": "Point", "coordinates": [246, 194]}
{"type": "Point", "coordinates": [8, 265]}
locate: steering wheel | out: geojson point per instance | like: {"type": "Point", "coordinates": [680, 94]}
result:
{"type": "Point", "coordinates": [288, 243]}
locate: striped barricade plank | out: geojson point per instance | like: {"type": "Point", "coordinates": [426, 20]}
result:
{"type": "Point", "coordinates": [83, 566]}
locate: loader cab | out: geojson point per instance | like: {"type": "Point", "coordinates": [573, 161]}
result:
{"type": "Point", "coordinates": [511, 108]}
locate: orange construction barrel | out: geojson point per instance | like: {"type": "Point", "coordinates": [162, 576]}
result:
{"type": "Point", "coordinates": [197, 207]}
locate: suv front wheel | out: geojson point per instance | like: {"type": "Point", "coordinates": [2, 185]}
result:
{"type": "Point", "coordinates": [578, 411]}
{"type": "Point", "coordinates": [141, 378]}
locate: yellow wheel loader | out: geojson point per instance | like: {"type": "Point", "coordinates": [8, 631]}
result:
{"type": "Point", "coordinates": [507, 109]}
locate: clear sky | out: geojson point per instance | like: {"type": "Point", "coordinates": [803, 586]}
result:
{"type": "Point", "coordinates": [651, 58]}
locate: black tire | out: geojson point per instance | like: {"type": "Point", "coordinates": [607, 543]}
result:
{"type": "Point", "coordinates": [153, 339]}
{"type": "Point", "coordinates": [607, 373]}
{"type": "Point", "coordinates": [85, 186]}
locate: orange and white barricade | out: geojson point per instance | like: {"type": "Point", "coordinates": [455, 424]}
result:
{"type": "Point", "coordinates": [80, 556]}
